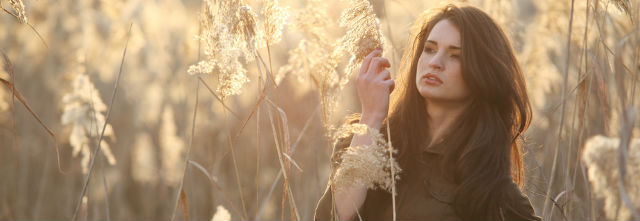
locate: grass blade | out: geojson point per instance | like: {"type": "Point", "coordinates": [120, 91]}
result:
{"type": "Point", "coordinates": [560, 128]}
{"type": "Point", "coordinates": [186, 160]}
{"type": "Point", "coordinates": [16, 94]}
{"type": "Point", "coordinates": [97, 151]}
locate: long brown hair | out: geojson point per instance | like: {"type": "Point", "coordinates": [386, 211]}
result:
{"type": "Point", "coordinates": [488, 156]}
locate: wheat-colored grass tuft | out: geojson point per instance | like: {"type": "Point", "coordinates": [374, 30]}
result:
{"type": "Point", "coordinates": [18, 6]}
{"type": "Point", "coordinates": [312, 51]}
{"type": "Point", "coordinates": [623, 5]}
{"type": "Point", "coordinates": [84, 110]}
{"type": "Point", "coordinates": [228, 32]}
{"type": "Point", "coordinates": [81, 106]}
{"type": "Point", "coordinates": [275, 18]}
{"type": "Point", "coordinates": [172, 147]}
{"type": "Point", "coordinates": [4, 104]}
{"type": "Point", "coordinates": [363, 33]}
{"type": "Point", "coordinates": [143, 165]}
{"type": "Point", "coordinates": [599, 156]}
{"type": "Point", "coordinates": [245, 31]}
{"type": "Point", "coordinates": [347, 130]}
{"type": "Point", "coordinates": [221, 214]}
{"type": "Point", "coordinates": [369, 165]}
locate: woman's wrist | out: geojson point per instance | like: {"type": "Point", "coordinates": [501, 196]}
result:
{"type": "Point", "coordinates": [372, 120]}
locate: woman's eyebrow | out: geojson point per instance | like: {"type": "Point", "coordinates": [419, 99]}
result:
{"type": "Point", "coordinates": [450, 47]}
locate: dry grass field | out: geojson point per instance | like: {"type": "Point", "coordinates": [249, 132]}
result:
{"type": "Point", "coordinates": [186, 109]}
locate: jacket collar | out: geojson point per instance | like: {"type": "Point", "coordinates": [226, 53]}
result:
{"type": "Point", "coordinates": [436, 148]}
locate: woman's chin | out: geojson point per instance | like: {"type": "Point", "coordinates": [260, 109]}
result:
{"type": "Point", "coordinates": [429, 93]}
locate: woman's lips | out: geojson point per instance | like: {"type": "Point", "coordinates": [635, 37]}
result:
{"type": "Point", "coordinates": [432, 79]}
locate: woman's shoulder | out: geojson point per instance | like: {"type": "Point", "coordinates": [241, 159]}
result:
{"type": "Point", "coordinates": [517, 205]}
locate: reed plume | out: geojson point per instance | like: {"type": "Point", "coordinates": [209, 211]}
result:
{"type": "Point", "coordinates": [221, 214]}
{"type": "Point", "coordinates": [18, 6]}
{"type": "Point", "coordinates": [599, 156]}
{"type": "Point", "coordinates": [84, 111]}
{"type": "Point", "coordinates": [363, 34]}
{"type": "Point", "coordinates": [275, 18]}
{"type": "Point", "coordinates": [228, 32]}
{"type": "Point", "coordinates": [172, 148]}
{"type": "Point", "coordinates": [369, 165]}
{"type": "Point", "coordinates": [4, 105]}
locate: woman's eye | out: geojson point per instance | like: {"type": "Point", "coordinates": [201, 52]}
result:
{"type": "Point", "coordinates": [456, 56]}
{"type": "Point", "coordinates": [429, 50]}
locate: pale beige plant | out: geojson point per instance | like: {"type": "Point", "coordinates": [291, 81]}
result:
{"type": "Point", "coordinates": [228, 31]}
{"type": "Point", "coordinates": [317, 57]}
{"type": "Point", "coordinates": [4, 104]}
{"type": "Point", "coordinates": [347, 130]}
{"type": "Point", "coordinates": [172, 148]}
{"type": "Point", "coordinates": [143, 165]}
{"type": "Point", "coordinates": [600, 156]}
{"type": "Point", "coordinates": [245, 31]}
{"type": "Point", "coordinates": [18, 6]}
{"type": "Point", "coordinates": [363, 34]}
{"type": "Point", "coordinates": [369, 165]}
{"type": "Point", "coordinates": [84, 111]}
{"type": "Point", "coordinates": [221, 214]}
{"type": "Point", "coordinates": [275, 18]}
{"type": "Point", "coordinates": [314, 50]}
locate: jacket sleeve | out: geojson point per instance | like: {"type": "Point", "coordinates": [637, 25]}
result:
{"type": "Point", "coordinates": [325, 210]}
{"type": "Point", "coordinates": [518, 206]}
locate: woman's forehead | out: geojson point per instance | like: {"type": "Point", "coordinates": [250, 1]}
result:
{"type": "Point", "coordinates": [444, 34]}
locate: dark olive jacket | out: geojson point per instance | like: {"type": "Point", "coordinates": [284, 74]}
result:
{"type": "Point", "coordinates": [424, 194]}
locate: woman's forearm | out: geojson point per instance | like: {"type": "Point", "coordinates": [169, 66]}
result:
{"type": "Point", "coordinates": [350, 199]}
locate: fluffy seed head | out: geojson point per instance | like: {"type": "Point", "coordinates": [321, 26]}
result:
{"type": "Point", "coordinates": [84, 111]}
{"type": "Point", "coordinates": [369, 165]}
{"type": "Point", "coordinates": [18, 6]}
{"type": "Point", "coordinates": [274, 20]}
{"type": "Point", "coordinates": [600, 156]}
{"type": "Point", "coordinates": [363, 33]}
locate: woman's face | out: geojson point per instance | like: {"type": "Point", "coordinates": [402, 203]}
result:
{"type": "Point", "coordinates": [439, 75]}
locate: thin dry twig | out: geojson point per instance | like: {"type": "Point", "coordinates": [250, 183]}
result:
{"type": "Point", "coordinates": [217, 186]}
{"type": "Point", "coordinates": [560, 128]}
{"type": "Point", "coordinates": [279, 147]}
{"type": "Point", "coordinates": [23, 19]}
{"type": "Point", "coordinates": [179, 197]}
{"type": "Point", "coordinates": [15, 93]}
{"type": "Point", "coordinates": [293, 149]}
{"type": "Point", "coordinates": [218, 98]}
{"type": "Point", "coordinates": [628, 119]}
{"type": "Point", "coordinates": [97, 151]}
{"type": "Point", "coordinates": [393, 173]}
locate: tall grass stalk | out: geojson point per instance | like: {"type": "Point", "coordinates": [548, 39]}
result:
{"type": "Point", "coordinates": [393, 173]}
{"type": "Point", "coordinates": [97, 152]}
{"type": "Point", "coordinates": [284, 166]}
{"type": "Point", "coordinates": [628, 120]}
{"type": "Point", "coordinates": [10, 84]}
{"type": "Point", "coordinates": [560, 126]}
{"type": "Point", "coordinates": [94, 122]}
{"type": "Point", "coordinates": [582, 111]}
{"type": "Point", "coordinates": [293, 149]}
{"type": "Point", "coordinates": [186, 158]}
{"type": "Point", "coordinates": [216, 185]}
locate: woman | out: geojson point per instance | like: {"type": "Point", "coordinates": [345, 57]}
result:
{"type": "Point", "coordinates": [457, 121]}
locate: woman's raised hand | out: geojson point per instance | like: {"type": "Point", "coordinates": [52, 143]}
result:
{"type": "Point", "coordinates": [374, 84]}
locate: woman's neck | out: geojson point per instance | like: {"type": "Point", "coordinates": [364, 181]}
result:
{"type": "Point", "coordinates": [441, 117]}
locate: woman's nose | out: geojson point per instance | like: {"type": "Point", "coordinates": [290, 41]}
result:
{"type": "Point", "coordinates": [436, 62]}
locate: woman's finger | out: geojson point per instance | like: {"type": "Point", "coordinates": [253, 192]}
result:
{"type": "Point", "coordinates": [384, 75]}
{"type": "Point", "coordinates": [391, 84]}
{"type": "Point", "coordinates": [378, 63]}
{"type": "Point", "coordinates": [367, 60]}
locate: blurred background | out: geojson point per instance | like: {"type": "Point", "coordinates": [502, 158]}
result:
{"type": "Point", "coordinates": [176, 146]}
